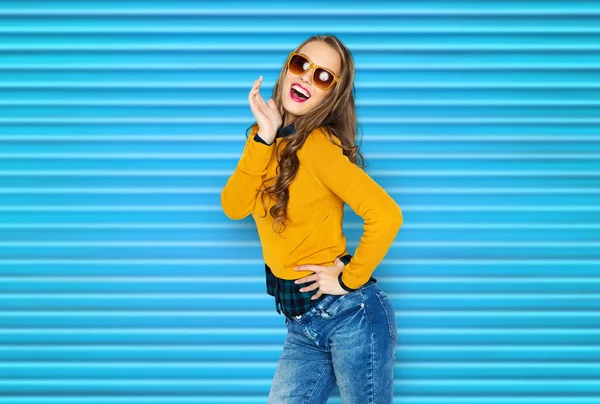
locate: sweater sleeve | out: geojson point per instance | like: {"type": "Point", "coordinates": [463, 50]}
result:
{"type": "Point", "coordinates": [239, 194]}
{"type": "Point", "coordinates": [261, 140]}
{"type": "Point", "coordinates": [381, 214]}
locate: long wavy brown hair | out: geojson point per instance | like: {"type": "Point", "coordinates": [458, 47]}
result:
{"type": "Point", "coordinates": [336, 115]}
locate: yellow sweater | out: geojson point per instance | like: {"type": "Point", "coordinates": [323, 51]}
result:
{"type": "Point", "coordinates": [313, 235]}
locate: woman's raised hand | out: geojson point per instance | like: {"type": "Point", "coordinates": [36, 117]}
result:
{"type": "Point", "coordinates": [266, 113]}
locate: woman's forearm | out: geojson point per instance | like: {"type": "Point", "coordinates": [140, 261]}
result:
{"type": "Point", "coordinates": [239, 194]}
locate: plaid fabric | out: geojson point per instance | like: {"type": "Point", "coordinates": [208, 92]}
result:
{"type": "Point", "coordinates": [288, 297]}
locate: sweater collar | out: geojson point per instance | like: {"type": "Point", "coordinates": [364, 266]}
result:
{"type": "Point", "coordinates": [286, 130]}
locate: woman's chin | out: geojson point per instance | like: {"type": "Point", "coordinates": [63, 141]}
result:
{"type": "Point", "coordinates": [292, 109]}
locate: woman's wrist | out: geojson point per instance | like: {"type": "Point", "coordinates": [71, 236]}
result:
{"type": "Point", "coordinates": [259, 139]}
{"type": "Point", "coordinates": [268, 137]}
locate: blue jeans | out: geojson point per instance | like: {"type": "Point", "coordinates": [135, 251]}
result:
{"type": "Point", "coordinates": [345, 339]}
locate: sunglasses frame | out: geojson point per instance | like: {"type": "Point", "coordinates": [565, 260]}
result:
{"type": "Point", "coordinates": [312, 67]}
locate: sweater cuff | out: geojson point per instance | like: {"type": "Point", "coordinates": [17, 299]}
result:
{"type": "Point", "coordinates": [261, 140]}
{"type": "Point", "coordinates": [343, 285]}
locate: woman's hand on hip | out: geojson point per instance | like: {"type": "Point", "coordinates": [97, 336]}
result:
{"type": "Point", "coordinates": [325, 277]}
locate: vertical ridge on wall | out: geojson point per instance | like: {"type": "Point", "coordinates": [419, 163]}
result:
{"type": "Point", "coordinates": [120, 122]}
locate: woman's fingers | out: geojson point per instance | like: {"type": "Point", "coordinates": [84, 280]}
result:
{"type": "Point", "coordinates": [258, 105]}
{"type": "Point", "coordinates": [256, 101]}
{"type": "Point", "coordinates": [257, 112]}
{"type": "Point", "coordinates": [255, 87]}
{"type": "Point", "coordinates": [261, 103]}
{"type": "Point", "coordinates": [255, 91]}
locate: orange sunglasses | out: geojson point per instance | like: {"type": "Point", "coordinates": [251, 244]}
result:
{"type": "Point", "coordinates": [299, 64]}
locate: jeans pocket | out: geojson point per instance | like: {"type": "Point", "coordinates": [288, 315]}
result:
{"type": "Point", "coordinates": [344, 304]}
{"type": "Point", "coordinates": [386, 304]}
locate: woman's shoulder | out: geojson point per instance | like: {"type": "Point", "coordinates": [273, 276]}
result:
{"type": "Point", "coordinates": [320, 147]}
{"type": "Point", "coordinates": [322, 137]}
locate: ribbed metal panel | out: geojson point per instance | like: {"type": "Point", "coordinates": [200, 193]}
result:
{"type": "Point", "coordinates": [122, 281]}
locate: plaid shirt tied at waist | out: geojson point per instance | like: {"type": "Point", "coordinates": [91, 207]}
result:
{"type": "Point", "coordinates": [288, 297]}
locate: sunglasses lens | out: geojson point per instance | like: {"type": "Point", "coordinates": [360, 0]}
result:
{"type": "Point", "coordinates": [298, 64]}
{"type": "Point", "coordinates": [322, 78]}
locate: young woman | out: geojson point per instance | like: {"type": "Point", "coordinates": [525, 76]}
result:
{"type": "Point", "coordinates": [297, 170]}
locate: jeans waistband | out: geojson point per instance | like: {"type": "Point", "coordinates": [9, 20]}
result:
{"type": "Point", "coordinates": [302, 318]}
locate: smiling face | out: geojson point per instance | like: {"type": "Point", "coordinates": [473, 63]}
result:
{"type": "Point", "coordinates": [320, 54]}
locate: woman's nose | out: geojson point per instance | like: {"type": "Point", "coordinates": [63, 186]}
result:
{"type": "Point", "coordinates": [307, 76]}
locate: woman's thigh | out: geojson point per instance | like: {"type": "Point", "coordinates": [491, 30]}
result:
{"type": "Point", "coordinates": [363, 346]}
{"type": "Point", "coordinates": [304, 373]}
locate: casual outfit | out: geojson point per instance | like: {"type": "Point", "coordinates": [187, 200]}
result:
{"type": "Point", "coordinates": [355, 333]}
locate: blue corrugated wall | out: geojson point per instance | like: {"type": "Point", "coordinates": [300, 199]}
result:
{"type": "Point", "coordinates": [121, 280]}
